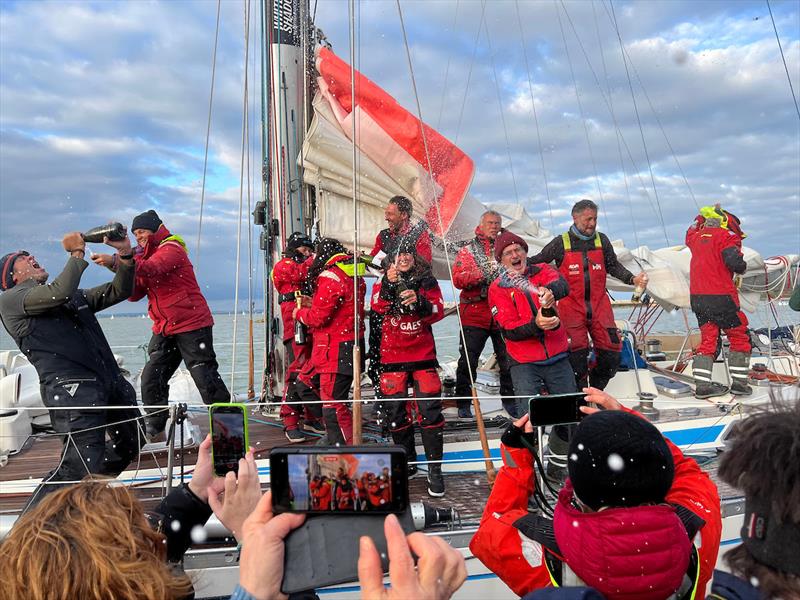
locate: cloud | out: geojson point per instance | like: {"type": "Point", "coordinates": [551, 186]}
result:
{"type": "Point", "coordinates": [103, 113]}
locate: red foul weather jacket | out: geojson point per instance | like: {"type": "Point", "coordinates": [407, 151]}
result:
{"type": "Point", "coordinates": [331, 316]}
{"type": "Point", "coordinates": [716, 256]}
{"type": "Point", "coordinates": [166, 276]}
{"type": "Point", "coordinates": [407, 342]}
{"type": "Point", "coordinates": [515, 310]}
{"type": "Point", "coordinates": [288, 276]}
{"type": "Point", "coordinates": [473, 273]}
{"type": "Point", "coordinates": [598, 546]}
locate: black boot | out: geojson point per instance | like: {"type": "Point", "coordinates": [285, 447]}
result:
{"type": "Point", "coordinates": [701, 371]}
{"type": "Point", "coordinates": [333, 435]}
{"type": "Point", "coordinates": [433, 440]}
{"type": "Point", "coordinates": [405, 438]}
{"type": "Point", "coordinates": [739, 365]}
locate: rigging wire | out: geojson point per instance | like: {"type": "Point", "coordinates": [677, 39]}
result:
{"type": "Point", "coordinates": [447, 72]}
{"type": "Point", "coordinates": [469, 71]}
{"type": "Point", "coordinates": [500, 108]}
{"type": "Point", "coordinates": [208, 136]}
{"type": "Point", "coordinates": [617, 132]}
{"type": "Point", "coordinates": [783, 58]}
{"type": "Point", "coordinates": [356, 320]}
{"type": "Point", "coordinates": [639, 121]}
{"type": "Point", "coordinates": [535, 118]}
{"type": "Point", "coordinates": [581, 112]}
{"type": "Point", "coordinates": [241, 187]}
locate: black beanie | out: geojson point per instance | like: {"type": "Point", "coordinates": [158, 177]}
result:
{"type": "Point", "coordinates": [147, 220]}
{"type": "Point", "coordinates": [619, 459]}
{"type": "Point", "coordinates": [298, 239]}
{"type": "Point", "coordinates": [7, 269]}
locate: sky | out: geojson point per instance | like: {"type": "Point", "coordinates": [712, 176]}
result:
{"type": "Point", "coordinates": [104, 113]}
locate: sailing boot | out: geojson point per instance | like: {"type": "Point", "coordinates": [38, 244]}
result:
{"type": "Point", "coordinates": [405, 438]}
{"type": "Point", "coordinates": [333, 435]}
{"type": "Point", "coordinates": [704, 387]}
{"type": "Point", "coordinates": [739, 365]}
{"type": "Point", "coordinates": [433, 441]}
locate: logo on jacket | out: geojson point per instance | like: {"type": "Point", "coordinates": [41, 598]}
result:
{"type": "Point", "coordinates": [574, 267]}
{"type": "Point", "coordinates": [596, 267]}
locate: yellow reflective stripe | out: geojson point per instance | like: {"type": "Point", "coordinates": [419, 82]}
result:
{"type": "Point", "coordinates": [349, 268]}
{"type": "Point", "coordinates": [567, 243]}
{"type": "Point", "coordinates": [597, 242]}
{"type": "Point", "coordinates": [547, 566]}
{"type": "Point", "coordinates": [696, 573]}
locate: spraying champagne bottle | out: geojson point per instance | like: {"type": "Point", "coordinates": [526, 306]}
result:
{"type": "Point", "coordinates": [549, 311]}
{"type": "Point", "coordinates": [113, 231]}
{"type": "Point", "coordinates": [300, 330]}
{"type": "Point", "coordinates": [402, 286]}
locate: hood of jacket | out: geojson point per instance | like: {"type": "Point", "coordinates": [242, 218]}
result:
{"type": "Point", "coordinates": [624, 553]}
{"type": "Point", "coordinates": [160, 236]}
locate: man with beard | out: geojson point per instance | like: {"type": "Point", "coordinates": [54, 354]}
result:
{"type": "Point", "coordinates": [55, 326]}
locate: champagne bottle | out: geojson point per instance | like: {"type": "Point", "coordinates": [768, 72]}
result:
{"type": "Point", "coordinates": [113, 231]}
{"type": "Point", "coordinates": [402, 286]}
{"type": "Point", "coordinates": [300, 330]}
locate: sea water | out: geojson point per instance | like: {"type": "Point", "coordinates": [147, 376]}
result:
{"type": "Point", "coordinates": [128, 336]}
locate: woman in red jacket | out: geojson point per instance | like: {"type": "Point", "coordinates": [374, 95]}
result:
{"type": "Point", "coordinates": [330, 316]}
{"type": "Point", "coordinates": [623, 524]}
{"type": "Point", "coordinates": [410, 299]}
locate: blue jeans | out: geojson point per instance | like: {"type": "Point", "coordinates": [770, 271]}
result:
{"type": "Point", "coordinates": [531, 379]}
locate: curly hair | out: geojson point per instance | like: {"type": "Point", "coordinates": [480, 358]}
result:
{"type": "Point", "coordinates": [759, 463]}
{"type": "Point", "coordinates": [90, 541]}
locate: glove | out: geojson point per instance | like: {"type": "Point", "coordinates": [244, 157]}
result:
{"type": "Point", "coordinates": [513, 437]}
{"type": "Point", "coordinates": [73, 242]}
{"type": "Point", "coordinates": [699, 221]}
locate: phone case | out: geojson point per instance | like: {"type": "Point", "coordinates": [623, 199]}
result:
{"type": "Point", "coordinates": [243, 409]}
{"type": "Point", "coordinates": [324, 550]}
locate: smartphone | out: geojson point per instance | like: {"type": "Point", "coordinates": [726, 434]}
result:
{"type": "Point", "coordinates": [229, 439]}
{"type": "Point", "coordinates": [557, 409]}
{"type": "Point", "coordinates": [326, 480]}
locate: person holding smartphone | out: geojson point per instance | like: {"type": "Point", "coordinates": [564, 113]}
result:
{"type": "Point", "coordinates": [536, 342]}
{"type": "Point", "coordinates": [410, 301]}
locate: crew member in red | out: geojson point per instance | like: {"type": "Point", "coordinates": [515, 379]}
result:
{"type": "Point", "coordinates": [398, 216]}
{"type": "Point", "coordinates": [289, 275]}
{"type": "Point", "coordinates": [345, 494]}
{"type": "Point", "coordinates": [715, 240]}
{"type": "Point", "coordinates": [409, 298]}
{"type": "Point", "coordinates": [521, 300]}
{"type": "Point", "coordinates": [324, 494]}
{"type": "Point", "coordinates": [329, 314]}
{"type": "Point", "coordinates": [624, 523]}
{"type": "Point", "coordinates": [585, 257]}
{"type": "Point", "coordinates": [313, 490]}
{"type": "Point", "coordinates": [474, 270]}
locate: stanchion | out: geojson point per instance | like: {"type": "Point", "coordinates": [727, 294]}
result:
{"type": "Point", "coordinates": [357, 434]}
{"type": "Point", "coordinates": [491, 472]}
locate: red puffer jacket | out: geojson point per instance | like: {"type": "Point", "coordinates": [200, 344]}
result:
{"type": "Point", "coordinates": [166, 276]}
{"type": "Point", "coordinates": [407, 342]}
{"type": "Point", "coordinates": [287, 275]}
{"type": "Point", "coordinates": [515, 311]}
{"type": "Point", "coordinates": [473, 272]}
{"type": "Point", "coordinates": [621, 552]}
{"type": "Point", "coordinates": [331, 316]}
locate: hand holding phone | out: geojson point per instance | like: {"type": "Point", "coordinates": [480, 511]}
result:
{"type": "Point", "coordinates": [229, 438]}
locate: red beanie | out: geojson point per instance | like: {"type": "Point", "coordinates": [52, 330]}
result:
{"type": "Point", "coordinates": [505, 239]}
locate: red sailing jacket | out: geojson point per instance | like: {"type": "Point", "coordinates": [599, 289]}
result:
{"type": "Point", "coordinates": [407, 342]}
{"type": "Point", "coordinates": [287, 276]}
{"type": "Point", "coordinates": [388, 241]}
{"type": "Point", "coordinates": [165, 274]}
{"type": "Point", "coordinates": [585, 273]}
{"type": "Point", "coordinates": [716, 256]}
{"type": "Point", "coordinates": [599, 549]}
{"type": "Point", "coordinates": [511, 307]}
{"type": "Point", "coordinates": [473, 272]}
{"type": "Point", "coordinates": [324, 495]}
{"type": "Point", "coordinates": [331, 317]}
{"type": "Point", "coordinates": [345, 498]}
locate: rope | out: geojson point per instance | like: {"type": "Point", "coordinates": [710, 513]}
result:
{"type": "Point", "coordinates": [535, 118]}
{"type": "Point", "coordinates": [447, 72]}
{"type": "Point", "coordinates": [208, 135]}
{"type": "Point", "coordinates": [783, 58]}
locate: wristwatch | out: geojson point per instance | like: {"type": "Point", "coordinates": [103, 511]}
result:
{"type": "Point", "coordinates": [126, 256]}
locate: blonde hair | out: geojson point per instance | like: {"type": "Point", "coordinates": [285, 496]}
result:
{"type": "Point", "coordinates": [89, 541]}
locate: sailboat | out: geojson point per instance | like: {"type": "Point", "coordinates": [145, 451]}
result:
{"type": "Point", "coordinates": [332, 158]}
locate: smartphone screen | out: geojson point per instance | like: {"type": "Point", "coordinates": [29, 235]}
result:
{"type": "Point", "coordinates": [228, 436]}
{"type": "Point", "coordinates": [556, 409]}
{"type": "Point", "coordinates": [327, 480]}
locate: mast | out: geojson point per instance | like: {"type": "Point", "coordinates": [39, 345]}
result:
{"type": "Point", "coordinates": [281, 211]}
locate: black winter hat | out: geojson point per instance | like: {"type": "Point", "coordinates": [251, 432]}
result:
{"type": "Point", "coordinates": [619, 459]}
{"type": "Point", "coordinates": [298, 239]}
{"type": "Point", "coordinates": [7, 269]}
{"type": "Point", "coordinates": [147, 220]}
